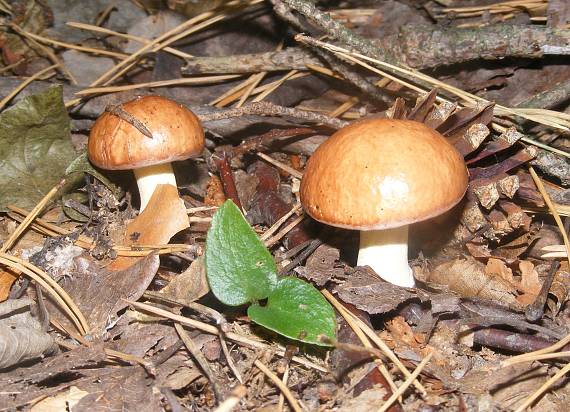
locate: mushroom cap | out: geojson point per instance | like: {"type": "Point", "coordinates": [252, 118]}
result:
{"type": "Point", "coordinates": [381, 173]}
{"type": "Point", "coordinates": [116, 144]}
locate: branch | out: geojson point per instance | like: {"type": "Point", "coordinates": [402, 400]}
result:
{"type": "Point", "coordinates": [423, 47]}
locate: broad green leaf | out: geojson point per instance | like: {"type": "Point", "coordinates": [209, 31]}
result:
{"type": "Point", "coordinates": [239, 267]}
{"type": "Point", "coordinates": [35, 148]}
{"type": "Point", "coordinates": [297, 310]}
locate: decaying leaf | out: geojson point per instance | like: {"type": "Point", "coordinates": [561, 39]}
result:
{"type": "Point", "coordinates": [468, 278]}
{"type": "Point", "coordinates": [371, 294]}
{"type": "Point", "coordinates": [99, 291]}
{"type": "Point", "coordinates": [21, 336]}
{"type": "Point", "coordinates": [35, 148]}
{"type": "Point", "coordinates": [190, 285]}
{"type": "Point", "coordinates": [61, 402]}
{"type": "Point", "coordinates": [320, 266]}
{"type": "Point", "coordinates": [529, 285]}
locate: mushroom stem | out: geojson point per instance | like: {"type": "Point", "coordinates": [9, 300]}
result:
{"type": "Point", "coordinates": [149, 177]}
{"type": "Point", "coordinates": [386, 251]}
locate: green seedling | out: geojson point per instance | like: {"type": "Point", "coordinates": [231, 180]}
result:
{"type": "Point", "coordinates": [241, 271]}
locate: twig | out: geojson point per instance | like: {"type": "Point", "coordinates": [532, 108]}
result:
{"type": "Point", "coordinates": [529, 356]}
{"type": "Point", "coordinates": [232, 400]}
{"type": "Point", "coordinates": [31, 216]}
{"type": "Point", "coordinates": [552, 97]}
{"type": "Point", "coordinates": [227, 178]}
{"type": "Point", "coordinates": [292, 58]}
{"type": "Point", "coordinates": [552, 209]}
{"type": "Point", "coordinates": [243, 340]}
{"type": "Point", "coordinates": [530, 400]}
{"type": "Point", "coordinates": [535, 311]}
{"type": "Point", "coordinates": [23, 85]}
{"type": "Point", "coordinates": [51, 286]}
{"type": "Point", "coordinates": [269, 109]}
{"type": "Point", "coordinates": [406, 384]}
{"type": "Point", "coordinates": [282, 387]}
{"type": "Point", "coordinates": [199, 358]}
{"type": "Point", "coordinates": [143, 40]}
{"type": "Point", "coordinates": [117, 110]}
{"type": "Point", "coordinates": [459, 45]}
{"type": "Point", "coordinates": [375, 338]}
{"type": "Point", "coordinates": [281, 220]}
{"type": "Point", "coordinates": [274, 239]}
{"type": "Point", "coordinates": [293, 172]}
{"type": "Point", "coordinates": [469, 99]}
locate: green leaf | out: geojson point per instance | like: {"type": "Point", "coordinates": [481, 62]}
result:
{"type": "Point", "coordinates": [239, 267]}
{"type": "Point", "coordinates": [297, 310]}
{"type": "Point", "coordinates": [35, 148]}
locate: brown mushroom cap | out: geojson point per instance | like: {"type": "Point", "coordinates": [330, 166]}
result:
{"type": "Point", "coordinates": [176, 135]}
{"type": "Point", "coordinates": [382, 173]}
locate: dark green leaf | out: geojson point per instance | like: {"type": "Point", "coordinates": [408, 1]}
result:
{"type": "Point", "coordinates": [35, 148]}
{"type": "Point", "coordinates": [297, 310]}
{"type": "Point", "coordinates": [239, 267]}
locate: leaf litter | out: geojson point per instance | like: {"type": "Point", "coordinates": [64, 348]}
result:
{"type": "Point", "coordinates": [480, 268]}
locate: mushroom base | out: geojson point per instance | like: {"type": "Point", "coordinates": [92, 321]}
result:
{"type": "Point", "coordinates": [386, 251]}
{"type": "Point", "coordinates": [151, 176]}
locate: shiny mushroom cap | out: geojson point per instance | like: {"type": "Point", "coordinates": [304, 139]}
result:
{"type": "Point", "coordinates": [115, 144]}
{"type": "Point", "coordinates": [381, 173]}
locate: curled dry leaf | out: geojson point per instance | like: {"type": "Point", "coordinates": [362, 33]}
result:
{"type": "Point", "coordinates": [61, 402]}
{"type": "Point", "coordinates": [559, 291]}
{"type": "Point", "coordinates": [21, 336]}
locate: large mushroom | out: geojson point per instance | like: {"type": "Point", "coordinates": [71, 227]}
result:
{"type": "Point", "coordinates": [378, 176]}
{"type": "Point", "coordinates": [117, 142]}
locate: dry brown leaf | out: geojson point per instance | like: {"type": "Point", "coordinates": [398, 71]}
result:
{"type": "Point", "coordinates": [496, 267]}
{"type": "Point", "coordinates": [190, 285]}
{"type": "Point", "coordinates": [62, 402]}
{"type": "Point", "coordinates": [529, 285]}
{"type": "Point", "coordinates": [468, 278]}
{"type": "Point", "coordinates": [214, 192]}
{"type": "Point", "coordinates": [402, 332]}
{"type": "Point", "coordinates": [7, 279]}
{"type": "Point", "coordinates": [163, 217]}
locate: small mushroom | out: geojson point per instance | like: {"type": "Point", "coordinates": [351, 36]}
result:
{"type": "Point", "coordinates": [378, 176]}
{"type": "Point", "coordinates": [117, 142]}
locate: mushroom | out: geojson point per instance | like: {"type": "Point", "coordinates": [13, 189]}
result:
{"type": "Point", "coordinates": [117, 141]}
{"type": "Point", "coordinates": [379, 176]}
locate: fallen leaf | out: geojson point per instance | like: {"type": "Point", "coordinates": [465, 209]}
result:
{"type": "Point", "coordinates": [21, 336]}
{"type": "Point", "coordinates": [373, 295]}
{"type": "Point", "coordinates": [35, 148]}
{"type": "Point", "coordinates": [496, 267]}
{"type": "Point", "coordinates": [99, 291]}
{"type": "Point", "coordinates": [468, 278]}
{"type": "Point", "coordinates": [190, 285]}
{"type": "Point", "coordinates": [62, 402]}
{"type": "Point", "coordinates": [529, 285]}
{"type": "Point", "coordinates": [163, 217]}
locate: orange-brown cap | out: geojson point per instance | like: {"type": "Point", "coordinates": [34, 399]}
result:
{"type": "Point", "coordinates": [176, 135]}
{"type": "Point", "coordinates": [381, 173]}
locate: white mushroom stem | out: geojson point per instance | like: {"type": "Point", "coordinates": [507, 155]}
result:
{"type": "Point", "coordinates": [151, 176]}
{"type": "Point", "coordinates": [386, 251]}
